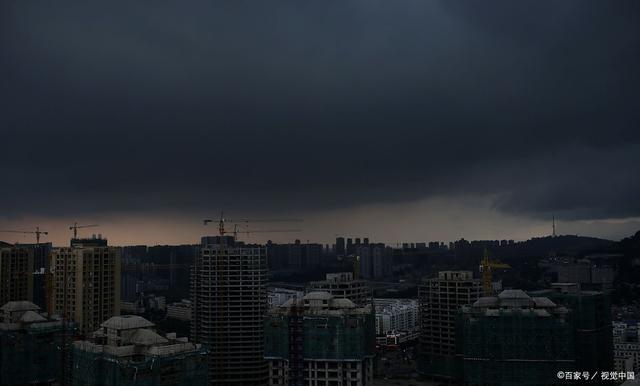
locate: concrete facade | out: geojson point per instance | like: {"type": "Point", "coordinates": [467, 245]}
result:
{"type": "Point", "coordinates": [86, 284]}
{"type": "Point", "coordinates": [16, 274]}
{"type": "Point", "coordinates": [343, 285]}
{"type": "Point", "coordinates": [440, 300]}
{"type": "Point", "coordinates": [229, 302]}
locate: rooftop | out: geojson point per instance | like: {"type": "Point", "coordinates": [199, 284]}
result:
{"type": "Point", "coordinates": [146, 337]}
{"type": "Point", "coordinates": [126, 322]}
{"type": "Point", "coordinates": [21, 305]}
{"type": "Point", "coordinates": [513, 294]}
{"type": "Point", "coordinates": [322, 302]}
{"type": "Point", "coordinates": [31, 317]}
{"type": "Point", "coordinates": [515, 301]}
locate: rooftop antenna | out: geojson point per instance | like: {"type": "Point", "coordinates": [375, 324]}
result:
{"type": "Point", "coordinates": [554, 226]}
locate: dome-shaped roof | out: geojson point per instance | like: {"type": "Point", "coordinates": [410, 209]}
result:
{"type": "Point", "coordinates": [126, 322]}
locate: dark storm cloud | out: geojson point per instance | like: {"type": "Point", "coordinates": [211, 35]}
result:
{"type": "Point", "coordinates": [120, 106]}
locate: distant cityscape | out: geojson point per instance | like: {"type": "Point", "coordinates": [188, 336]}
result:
{"type": "Point", "coordinates": [550, 310]}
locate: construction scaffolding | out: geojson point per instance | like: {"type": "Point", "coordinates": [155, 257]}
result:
{"type": "Point", "coordinates": [514, 346]}
{"type": "Point", "coordinates": [337, 338]}
{"type": "Point", "coordinates": [320, 339]}
{"type": "Point", "coordinates": [296, 346]}
{"type": "Point", "coordinates": [592, 326]}
{"type": "Point", "coordinates": [229, 297]}
{"type": "Point", "coordinates": [31, 355]}
{"type": "Point", "coordinates": [104, 369]}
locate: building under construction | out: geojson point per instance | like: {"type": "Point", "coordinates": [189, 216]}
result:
{"type": "Point", "coordinates": [16, 273]}
{"type": "Point", "coordinates": [229, 303]}
{"type": "Point", "coordinates": [514, 339]}
{"type": "Point", "coordinates": [344, 285]}
{"type": "Point", "coordinates": [440, 300]}
{"type": "Point", "coordinates": [592, 325]}
{"type": "Point", "coordinates": [127, 351]}
{"type": "Point", "coordinates": [30, 345]}
{"type": "Point", "coordinates": [320, 340]}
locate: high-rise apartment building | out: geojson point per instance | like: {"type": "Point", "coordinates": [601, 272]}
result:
{"type": "Point", "coordinates": [376, 260]}
{"type": "Point", "coordinates": [340, 246]}
{"type": "Point", "coordinates": [440, 300]}
{"type": "Point", "coordinates": [16, 274]}
{"type": "Point", "coordinates": [229, 302]}
{"type": "Point", "coordinates": [396, 315]}
{"type": "Point", "coordinates": [40, 265]}
{"type": "Point", "coordinates": [626, 343]}
{"type": "Point", "coordinates": [86, 283]}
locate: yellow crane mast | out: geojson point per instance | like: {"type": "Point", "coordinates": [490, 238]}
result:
{"type": "Point", "coordinates": [486, 268]}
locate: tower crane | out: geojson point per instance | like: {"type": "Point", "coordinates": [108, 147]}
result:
{"type": "Point", "coordinates": [75, 228]}
{"type": "Point", "coordinates": [236, 229]}
{"type": "Point", "coordinates": [37, 232]}
{"type": "Point", "coordinates": [356, 268]}
{"type": "Point", "coordinates": [486, 268]}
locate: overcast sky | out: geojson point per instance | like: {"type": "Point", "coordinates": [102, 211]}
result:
{"type": "Point", "coordinates": [397, 120]}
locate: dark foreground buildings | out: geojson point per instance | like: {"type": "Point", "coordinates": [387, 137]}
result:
{"type": "Point", "coordinates": [126, 350]}
{"type": "Point", "coordinates": [592, 327]}
{"type": "Point", "coordinates": [440, 301]}
{"type": "Point", "coordinates": [229, 303]}
{"type": "Point", "coordinates": [30, 345]}
{"type": "Point", "coordinates": [515, 339]}
{"type": "Point", "coordinates": [320, 340]}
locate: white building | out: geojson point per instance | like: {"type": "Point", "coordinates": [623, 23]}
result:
{"type": "Point", "coordinates": [279, 296]}
{"type": "Point", "coordinates": [396, 315]}
{"type": "Point", "coordinates": [180, 310]}
{"type": "Point", "coordinates": [626, 347]}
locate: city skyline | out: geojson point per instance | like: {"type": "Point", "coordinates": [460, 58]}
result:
{"type": "Point", "coordinates": [382, 223]}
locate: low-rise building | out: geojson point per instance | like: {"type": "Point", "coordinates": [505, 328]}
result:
{"type": "Point", "coordinates": [279, 296]}
{"type": "Point", "coordinates": [397, 338]}
{"type": "Point", "coordinates": [144, 303]}
{"type": "Point", "coordinates": [180, 310]}
{"type": "Point", "coordinates": [396, 315]}
{"type": "Point", "coordinates": [626, 347]}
